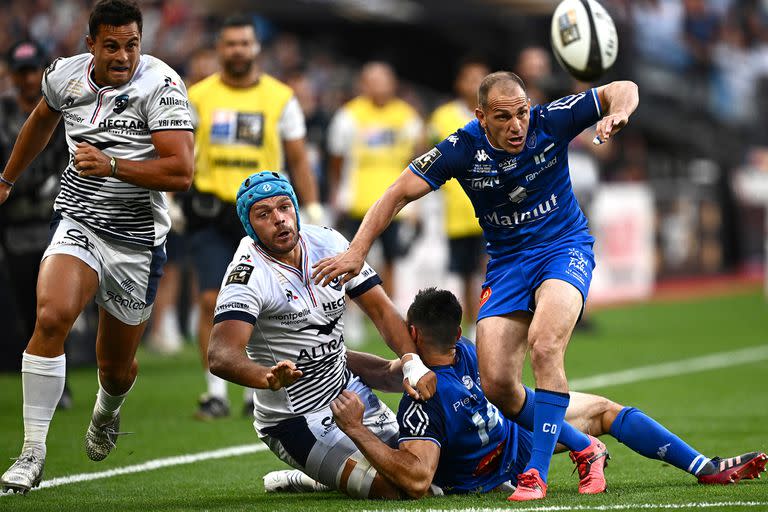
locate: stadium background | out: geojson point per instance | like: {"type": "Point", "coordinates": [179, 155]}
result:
{"type": "Point", "coordinates": [693, 162]}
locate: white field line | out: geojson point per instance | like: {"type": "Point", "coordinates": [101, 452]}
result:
{"type": "Point", "coordinates": [672, 369]}
{"type": "Point", "coordinates": [150, 465]}
{"type": "Point", "coordinates": [712, 361]}
{"type": "Point", "coordinates": [567, 508]}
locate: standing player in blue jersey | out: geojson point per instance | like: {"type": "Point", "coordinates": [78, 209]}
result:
{"type": "Point", "coordinates": [457, 442]}
{"type": "Point", "coordinates": [512, 162]}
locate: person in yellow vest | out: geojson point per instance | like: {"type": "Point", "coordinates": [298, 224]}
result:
{"type": "Point", "coordinates": [371, 138]}
{"type": "Point", "coordinates": [466, 244]}
{"type": "Point", "coordinates": [246, 121]}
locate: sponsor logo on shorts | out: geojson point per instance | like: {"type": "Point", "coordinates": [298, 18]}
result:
{"type": "Point", "coordinates": [578, 266]}
{"type": "Point", "coordinates": [126, 302]}
{"type": "Point", "coordinates": [485, 295]}
{"type": "Point", "coordinates": [77, 238]}
{"type": "Point", "coordinates": [328, 424]}
{"type": "Point", "coordinates": [128, 285]}
{"type": "Point", "coordinates": [240, 274]}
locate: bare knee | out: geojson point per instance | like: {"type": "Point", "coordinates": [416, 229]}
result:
{"type": "Point", "coordinates": [547, 351]}
{"type": "Point", "coordinates": [54, 321]}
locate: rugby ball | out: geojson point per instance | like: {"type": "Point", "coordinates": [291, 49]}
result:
{"type": "Point", "coordinates": [584, 38]}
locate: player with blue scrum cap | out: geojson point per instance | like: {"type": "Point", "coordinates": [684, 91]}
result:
{"type": "Point", "coordinates": [276, 332]}
{"type": "Point", "coordinates": [512, 162]}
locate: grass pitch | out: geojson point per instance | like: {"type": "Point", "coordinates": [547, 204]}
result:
{"type": "Point", "coordinates": [721, 411]}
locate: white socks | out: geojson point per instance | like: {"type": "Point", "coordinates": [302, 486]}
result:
{"type": "Point", "coordinates": [42, 381]}
{"type": "Point", "coordinates": [216, 386]}
{"type": "Point", "coordinates": [107, 406]}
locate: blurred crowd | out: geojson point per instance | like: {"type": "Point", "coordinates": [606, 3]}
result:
{"type": "Point", "coordinates": [702, 68]}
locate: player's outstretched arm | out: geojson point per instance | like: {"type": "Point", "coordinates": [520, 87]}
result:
{"type": "Point", "coordinates": [379, 373]}
{"type": "Point", "coordinates": [170, 171]}
{"type": "Point", "coordinates": [32, 139]}
{"type": "Point", "coordinates": [410, 468]}
{"type": "Point", "coordinates": [418, 380]}
{"type": "Point", "coordinates": [408, 187]}
{"type": "Point", "coordinates": [618, 100]}
{"type": "Point", "coordinates": [227, 359]}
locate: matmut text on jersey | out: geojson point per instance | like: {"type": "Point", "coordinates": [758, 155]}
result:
{"type": "Point", "coordinates": [293, 320]}
{"type": "Point", "coordinates": [524, 200]}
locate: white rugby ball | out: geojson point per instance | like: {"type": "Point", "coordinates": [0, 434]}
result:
{"type": "Point", "coordinates": [584, 38]}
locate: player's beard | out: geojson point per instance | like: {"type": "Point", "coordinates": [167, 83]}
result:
{"type": "Point", "coordinates": [284, 248]}
{"type": "Point", "coordinates": [238, 68]}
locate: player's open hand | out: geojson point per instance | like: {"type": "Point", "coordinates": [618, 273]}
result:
{"type": "Point", "coordinates": [348, 264]}
{"type": "Point", "coordinates": [282, 374]}
{"type": "Point", "coordinates": [89, 161]}
{"type": "Point", "coordinates": [610, 125]}
{"type": "Point", "coordinates": [348, 409]}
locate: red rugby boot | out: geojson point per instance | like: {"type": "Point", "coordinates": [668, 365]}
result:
{"type": "Point", "coordinates": [530, 486]}
{"type": "Point", "coordinates": [590, 463]}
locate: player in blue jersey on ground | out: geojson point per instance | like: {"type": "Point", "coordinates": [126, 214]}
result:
{"type": "Point", "coordinates": [512, 162]}
{"type": "Point", "coordinates": [458, 442]}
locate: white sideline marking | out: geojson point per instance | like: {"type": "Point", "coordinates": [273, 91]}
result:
{"type": "Point", "coordinates": [673, 369]}
{"type": "Point", "coordinates": [566, 508]}
{"type": "Point", "coordinates": [150, 465]}
{"type": "Point", "coordinates": [696, 364]}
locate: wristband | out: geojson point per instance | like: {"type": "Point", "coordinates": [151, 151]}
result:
{"type": "Point", "coordinates": [6, 182]}
{"type": "Point", "coordinates": [414, 369]}
{"type": "Point", "coordinates": [113, 165]}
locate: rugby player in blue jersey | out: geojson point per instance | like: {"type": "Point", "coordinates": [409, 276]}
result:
{"type": "Point", "coordinates": [458, 442]}
{"type": "Point", "coordinates": [512, 162]}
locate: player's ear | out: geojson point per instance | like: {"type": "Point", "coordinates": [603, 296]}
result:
{"type": "Point", "coordinates": [480, 115]}
{"type": "Point", "coordinates": [413, 332]}
{"type": "Point", "coordinates": [458, 333]}
{"type": "Point", "coordinates": [89, 43]}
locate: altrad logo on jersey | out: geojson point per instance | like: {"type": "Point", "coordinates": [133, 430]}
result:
{"type": "Point", "coordinates": [323, 349]}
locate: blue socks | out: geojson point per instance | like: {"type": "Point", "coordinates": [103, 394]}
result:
{"type": "Point", "coordinates": [548, 415]}
{"type": "Point", "coordinates": [647, 437]}
{"type": "Point", "coordinates": [571, 437]}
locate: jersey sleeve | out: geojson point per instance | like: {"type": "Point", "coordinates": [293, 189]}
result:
{"type": "Point", "coordinates": [167, 105]}
{"type": "Point", "coordinates": [238, 298]}
{"type": "Point", "coordinates": [442, 162]}
{"type": "Point", "coordinates": [291, 124]}
{"type": "Point", "coordinates": [50, 84]}
{"type": "Point", "coordinates": [569, 116]}
{"type": "Point", "coordinates": [421, 420]}
{"type": "Point", "coordinates": [340, 133]}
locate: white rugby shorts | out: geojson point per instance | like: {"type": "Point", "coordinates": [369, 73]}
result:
{"type": "Point", "coordinates": [128, 274]}
{"type": "Point", "coordinates": [314, 444]}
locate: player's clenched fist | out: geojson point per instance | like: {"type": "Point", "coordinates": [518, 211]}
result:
{"type": "Point", "coordinates": [347, 409]}
{"type": "Point", "coordinates": [282, 374]}
{"type": "Point", "coordinates": [89, 161]}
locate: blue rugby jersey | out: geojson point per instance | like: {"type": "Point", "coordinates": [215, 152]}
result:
{"type": "Point", "coordinates": [524, 200]}
{"type": "Point", "coordinates": [478, 445]}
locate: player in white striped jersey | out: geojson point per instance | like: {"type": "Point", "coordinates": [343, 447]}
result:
{"type": "Point", "coordinates": [129, 132]}
{"type": "Point", "coordinates": [276, 331]}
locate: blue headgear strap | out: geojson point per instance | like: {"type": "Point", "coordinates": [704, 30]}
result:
{"type": "Point", "coordinates": [258, 186]}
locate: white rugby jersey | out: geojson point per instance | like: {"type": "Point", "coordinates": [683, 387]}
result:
{"type": "Point", "coordinates": [118, 121]}
{"type": "Point", "coordinates": [293, 319]}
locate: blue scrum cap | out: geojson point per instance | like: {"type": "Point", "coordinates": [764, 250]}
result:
{"type": "Point", "coordinates": [258, 186]}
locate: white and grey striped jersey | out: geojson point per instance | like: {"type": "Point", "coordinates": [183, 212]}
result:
{"type": "Point", "coordinates": [120, 122]}
{"type": "Point", "coordinates": [293, 319]}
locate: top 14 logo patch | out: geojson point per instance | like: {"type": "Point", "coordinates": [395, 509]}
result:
{"type": "Point", "coordinates": [241, 274]}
